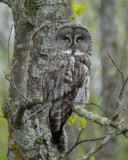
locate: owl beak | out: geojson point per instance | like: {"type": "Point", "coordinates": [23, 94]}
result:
{"type": "Point", "coordinates": [73, 47]}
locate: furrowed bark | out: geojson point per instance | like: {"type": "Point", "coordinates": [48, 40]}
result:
{"type": "Point", "coordinates": [35, 24]}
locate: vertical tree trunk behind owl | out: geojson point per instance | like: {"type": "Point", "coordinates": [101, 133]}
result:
{"type": "Point", "coordinates": [109, 71]}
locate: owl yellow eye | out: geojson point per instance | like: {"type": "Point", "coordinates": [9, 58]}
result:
{"type": "Point", "coordinates": [79, 39]}
{"type": "Point", "coordinates": [67, 39]}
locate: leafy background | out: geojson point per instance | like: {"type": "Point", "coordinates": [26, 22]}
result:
{"type": "Point", "coordinates": [91, 18]}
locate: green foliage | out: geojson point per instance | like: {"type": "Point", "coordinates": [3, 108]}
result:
{"type": "Point", "coordinates": [77, 10]}
{"type": "Point", "coordinates": [82, 124]}
{"type": "Point", "coordinates": [92, 158]}
{"type": "Point", "coordinates": [71, 120]}
{"type": "Point", "coordinates": [3, 134]}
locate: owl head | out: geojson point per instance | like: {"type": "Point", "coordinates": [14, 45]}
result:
{"type": "Point", "coordinates": [75, 37]}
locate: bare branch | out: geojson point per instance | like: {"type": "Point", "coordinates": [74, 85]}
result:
{"type": "Point", "coordinates": [76, 143]}
{"type": "Point", "coordinates": [121, 95]}
{"type": "Point", "coordinates": [23, 108]}
{"type": "Point", "coordinates": [6, 76]}
{"type": "Point", "coordinates": [83, 141]}
{"type": "Point", "coordinates": [10, 72]}
{"type": "Point", "coordinates": [93, 117]}
{"type": "Point", "coordinates": [79, 103]}
{"type": "Point", "coordinates": [35, 113]}
{"type": "Point", "coordinates": [98, 107]}
{"type": "Point", "coordinates": [124, 109]}
{"type": "Point", "coordinates": [88, 140]}
{"type": "Point", "coordinates": [8, 46]}
{"type": "Point", "coordinates": [98, 147]}
{"type": "Point", "coordinates": [122, 75]}
{"type": "Point", "coordinates": [95, 139]}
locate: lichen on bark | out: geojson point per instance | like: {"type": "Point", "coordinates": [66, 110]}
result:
{"type": "Point", "coordinates": [31, 50]}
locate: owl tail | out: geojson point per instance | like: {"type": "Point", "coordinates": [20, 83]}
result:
{"type": "Point", "coordinates": [60, 139]}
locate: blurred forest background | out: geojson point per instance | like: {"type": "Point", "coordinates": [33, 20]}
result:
{"type": "Point", "coordinates": [108, 22]}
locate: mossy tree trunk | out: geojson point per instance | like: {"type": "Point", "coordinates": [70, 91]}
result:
{"type": "Point", "coordinates": [35, 22]}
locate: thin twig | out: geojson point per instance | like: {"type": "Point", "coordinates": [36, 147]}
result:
{"type": "Point", "coordinates": [34, 114]}
{"type": "Point", "coordinates": [99, 147]}
{"type": "Point", "coordinates": [122, 75]}
{"type": "Point", "coordinates": [88, 140]}
{"type": "Point", "coordinates": [79, 103]}
{"type": "Point", "coordinates": [124, 109]}
{"type": "Point", "coordinates": [11, 69]}
{"type": "Point", "coordinates": [99, 107]}
{"type": "Point", "coordinates": [6, 76]}
{"type": "Point", "coordinates": [75, 143]}
{"type": "Point", "coordinates": [95, 139]}
{"type": "Point", "coordinates": [121, 95]}
{"type": "Point", "coordinates": [8, 46]}
{"type": "Point", "coordinates": [83, 141]}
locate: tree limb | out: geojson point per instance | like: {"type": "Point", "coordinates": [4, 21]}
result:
{"type": "Point", "coordinates": [8, 46]}
{"type": "Point", "coordinates": [98, 147]}
{"type": "Point", "coordinates": [100, 120]}
{"type": "Point", "coordinates": [23, 108]}
{"type": "Point", "coordinates": [122, 75]}
{"type": "Point", "coordinates": [89, 115]}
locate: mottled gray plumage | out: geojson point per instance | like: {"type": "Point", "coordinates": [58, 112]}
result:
{"type": "Point", "coordinates": [66, 78]}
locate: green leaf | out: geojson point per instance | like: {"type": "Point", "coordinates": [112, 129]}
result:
{"type": "Point", "coordinates": [73, 119]}
{"type": "Point", "coordinates": [74, 5]}
{"type": "Point", "coordinates": [69, 124]}
{"type": "Point", "coordinates": [70, 119]}
{"type": "Point", "coordinates": [80, 10]}
{"type": "Point", "coordinates": [83, 123]}
{"type": "Point", "coordinates": [92, 158]}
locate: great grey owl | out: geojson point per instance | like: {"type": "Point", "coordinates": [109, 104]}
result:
{"type": "Point", "coordinates": [66, 78]}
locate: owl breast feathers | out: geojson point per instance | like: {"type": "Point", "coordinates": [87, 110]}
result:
{"type": "Point", "coordinates": [66, 78]}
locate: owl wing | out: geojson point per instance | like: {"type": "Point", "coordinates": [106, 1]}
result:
{"type": "Point", "coordinates": [57, 80]}
{"type": "Point", "coordinates": [57, 77]}
{"type": "Point", "coordinates": [82, 95]}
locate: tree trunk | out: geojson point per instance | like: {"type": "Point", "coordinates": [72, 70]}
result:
{"type": "Point", "coordinates": [109, 72]}
{"type": "Point", "coordinates": [35, 25]}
